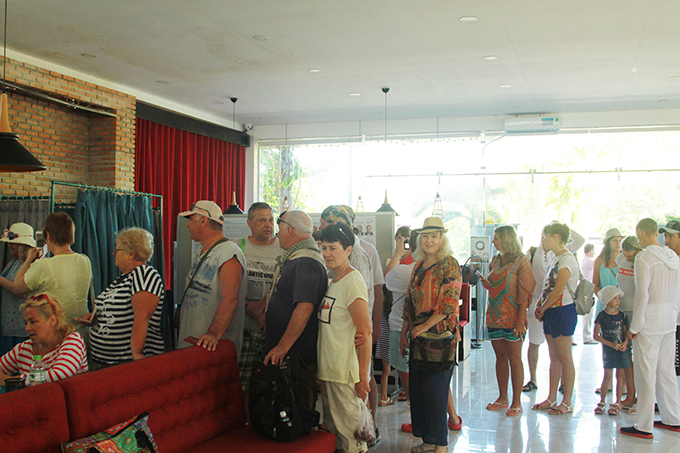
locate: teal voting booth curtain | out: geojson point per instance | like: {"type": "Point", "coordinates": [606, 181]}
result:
{"type": "Point", "coordinates": [99, 216]}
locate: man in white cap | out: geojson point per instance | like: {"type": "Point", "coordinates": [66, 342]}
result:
{"type": "Point", "coordinates": [657, 302]}
{"type": "Point", "coordinates": [671, 235]}
{"type": "Point", "coordinates": [213, 303]}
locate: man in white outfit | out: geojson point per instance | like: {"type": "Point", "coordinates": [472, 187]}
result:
{"type": "Point", "coordinates": [657, 302]}
{"type": "Point", "coordinates": [587, 268]}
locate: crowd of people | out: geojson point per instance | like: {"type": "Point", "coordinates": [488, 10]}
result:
{"type": "Point", "coordinates": [327, 300]}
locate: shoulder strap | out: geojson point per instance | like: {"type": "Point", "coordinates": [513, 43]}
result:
{"type": "Point", "coordinates": [205, 255]}
{"type": "Point", "coordinates": [532, 250]}
{"type": "Point", "coordinates": [242, 244]}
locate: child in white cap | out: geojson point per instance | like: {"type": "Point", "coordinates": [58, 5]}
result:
{"type": "Point", "coordinates": [611, 328]}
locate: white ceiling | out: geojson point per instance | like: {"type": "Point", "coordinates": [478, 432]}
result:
{"type": "Point", "coordinates": [559, 56]}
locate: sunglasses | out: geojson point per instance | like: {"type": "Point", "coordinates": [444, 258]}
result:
{"type": "Point", "coordinates": [11, 235]}
{"type": "Point", "coordinates": [280, 220]}
{"type": "Point", "coordinates": [40, 297]}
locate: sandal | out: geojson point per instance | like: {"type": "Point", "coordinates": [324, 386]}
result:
{"type": "Point", "coordinates": [614, 409]}
{"type": "Point", "coordinates": [454, 427]}
{"type": "Point", "coordinates": [407, 428]}
{"type": "Point", "coordinates": [514, 411]}
{"type": "Point", "coordinates": [386, 402]}
{"type": "Point", "coordinates": [402, 397]}
{"type": "Point", "coordinates": [496, 406]}
{"type": "Point", "coordinates": [561, 410]}
{"type": "Point", "coordinates": [529, 387]}
{"type": "Point", "coordinates": [542, 406]}
{"type": "Point", "coordinates": [599, 410]}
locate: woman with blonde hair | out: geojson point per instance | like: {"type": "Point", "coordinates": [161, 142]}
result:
{"type": "Point", "coordinates": [431, 313]}
{"type": "Point", "coordinates": [511, 285]}
{"type": "Point", "coordinates": [49, 336]}
{"type": "Point", "coordinates": [126, 323]}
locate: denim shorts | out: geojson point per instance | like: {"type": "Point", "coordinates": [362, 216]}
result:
{"type": "Point", "coordinates": [560, 321]}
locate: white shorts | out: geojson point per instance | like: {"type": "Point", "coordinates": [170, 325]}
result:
{"type": "Point", "coordinates": [536, 335]}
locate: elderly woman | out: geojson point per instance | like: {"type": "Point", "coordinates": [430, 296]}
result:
{"type": "Point", "coordinates": [431, 307]}
{"type": "Point", "coordinates": [19, 239]}
{"type": "Point", "coordinates": [50, 336]}
{"type": "Point", "coordinates": [510, 284]}
{"type": "Point", "coordinates": [557, 311]}
{"type": "Point", "coordinates": [343, 370]}
{"type": "Point", "coordinates": [626, 282]}
{"type": "Point", "coordinates": [127, 314]}
{"type": "Point", "coordinates": [66, 274]}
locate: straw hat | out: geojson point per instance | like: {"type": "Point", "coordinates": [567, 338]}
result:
{"type": "Point", "coordinates": [19, 233]}
{"type": "Point", "coordinates": [433, 224]}
{"type": "Point", "coordinates": [614, 232]}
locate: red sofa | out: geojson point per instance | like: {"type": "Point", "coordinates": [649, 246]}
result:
{"type": "Point", "coordinates": [193, 396]}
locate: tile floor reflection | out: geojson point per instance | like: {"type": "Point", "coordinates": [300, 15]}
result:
{"type": "Point", "coordinates": [474, 385]}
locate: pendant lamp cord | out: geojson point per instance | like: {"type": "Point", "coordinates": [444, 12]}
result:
{"type": "Point", "coordinates": [4, 55]}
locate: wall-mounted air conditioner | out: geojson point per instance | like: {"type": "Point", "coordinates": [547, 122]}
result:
{"type": "Point", "coordinates": [532, 125]}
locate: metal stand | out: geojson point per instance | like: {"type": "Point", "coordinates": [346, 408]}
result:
{"type": "Point", "coordinates": [479, 317]}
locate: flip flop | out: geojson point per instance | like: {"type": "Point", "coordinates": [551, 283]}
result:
{"type": "Point", "coordinates": [540, 407]}
{"type": "Point", "coordinates": [496, 406]}
{"type": "Point", "coordinates": [386, 402]}
{"type": "Point", "coordinates": [457, 427]}
{"type": "Point", "coordinates": [559, 411]}
{"type": "Point", "coordinates": [514, 411]}
{"type": "Point", "coordinates": [529, 387]}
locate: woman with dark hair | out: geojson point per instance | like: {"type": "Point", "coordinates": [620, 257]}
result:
{"type": "Point", "coordinates": [343, 313]}
{"type": "Point", "coordinates": [626, 283]}
{"type": "Point", "coordinates": [557, 311]}
{"type": "Point", "coordinates": [605, 267]}
{"type": "Point", "coordinates": [66, 274]}
{"type": "Point", "coordinates": [431, 309]}
{"type": "Point", "coordinates": [511, 285]}
{"type": "Point", "coordinates": [51, 336]}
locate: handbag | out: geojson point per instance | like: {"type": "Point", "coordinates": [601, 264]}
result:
{"type": "Point", "coordinates": [432, 351]}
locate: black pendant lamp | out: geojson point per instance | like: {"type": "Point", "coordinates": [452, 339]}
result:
{"type": "Point", "coordinates": [233, 207]}
{"type": "Point", "coordinates": [13, 156]}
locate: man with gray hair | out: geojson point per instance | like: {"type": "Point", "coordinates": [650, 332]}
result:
{"type": "Point", "coordinates": [300, 282]}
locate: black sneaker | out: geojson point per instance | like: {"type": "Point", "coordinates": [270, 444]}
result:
{"type": "Point", "coordinates": [529, 387]}
{"type": "Point", "coordinates": [662, 425]}
{"type": "Point", "coordinates": [633, 431]}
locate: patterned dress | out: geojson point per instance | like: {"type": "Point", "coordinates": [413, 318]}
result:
{"type": "Point", "coordinates": [511, 285]}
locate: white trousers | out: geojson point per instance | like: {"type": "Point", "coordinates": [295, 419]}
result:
{"type": "Point", "coordinates": [587, 321]}
{"type": "Point", "coordinates": [341, 413]}
{"type": "Point", "coordinates": [655, 379]}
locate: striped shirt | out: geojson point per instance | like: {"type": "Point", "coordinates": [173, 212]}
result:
{"type": "Point", "coordinates": [66, 360]}
{"type": "Point", "coordinates": [111, 335]}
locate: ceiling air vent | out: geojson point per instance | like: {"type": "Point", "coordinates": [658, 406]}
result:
{"type": "Point", "coordinates": [532, 125]}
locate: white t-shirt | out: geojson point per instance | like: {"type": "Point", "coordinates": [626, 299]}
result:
{"type": "Point", "coordinates": [397, 281]}
{"type": "Point", "coordinates": [625, 280]}
{"type": "Point", "coordinates": [67, 277]}
{"type": "Point", "coordinates": [261, 261]}
{"type": "Point", "coordinates": [568, 261]}
{"type": "Point", "coordinates": [337, 356]}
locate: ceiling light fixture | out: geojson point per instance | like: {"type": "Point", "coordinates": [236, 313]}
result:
{"type": "Point", "coordinates": [385, 90]}
{"type": "Point", "coordinates": [314, 70]}
{"type": "Point", "coordinates": [13, 156]}
{"type": "Point", "coordinates": [162, 82]}
{"type": "Point", "coordinates": [490, 57]}
{"type": "Point", "coordinates": [505, 85]}
{"type": "Point", "coordinates": [355, 94]}
{"type": "Point", "coordinates": [468, 19]}
{"type": "Point", "coordinates": [88, 55]}
{"type": "Point", "coordinates": [674, 78]}
{"type": "Point", "coordinates": [233, 116]}
{"type": "Point", "coordinates": [260, 38]}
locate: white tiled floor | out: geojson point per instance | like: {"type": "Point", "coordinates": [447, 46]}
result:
{"type": "Point", "coordinates": [474, 385]}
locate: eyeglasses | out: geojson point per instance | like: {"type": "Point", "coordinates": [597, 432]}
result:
{"type": "Point", "coordinates": [116, 250]}
{"type": "Point", "coordinates": [280, 220]}
{"type": "Point", "coordinates": [40, 297]}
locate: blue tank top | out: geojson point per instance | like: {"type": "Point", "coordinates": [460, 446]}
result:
{"type": "Point", "coordinates": [608, 276]}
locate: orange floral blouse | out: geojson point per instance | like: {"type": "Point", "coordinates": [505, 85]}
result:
{"type": "Point", "coordinates": [511, 285]}
{"type": "Point", "coordinates": [434, 290]}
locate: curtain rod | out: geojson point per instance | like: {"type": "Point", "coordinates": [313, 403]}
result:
{"type": "Point", "coordinates": [70, 104]}
{"type": "Point", "coordinates": [105, 189]}
{"type": "Point", "coordinates": [23, 197]}
{"type": "Point", "coordinates": [530, 172]}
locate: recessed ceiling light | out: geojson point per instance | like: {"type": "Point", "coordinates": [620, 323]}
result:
{"type": "Point", "coordinates": [661, 101]}
{"type": "Point", "coordinates": [218, 102]}
{"type": "Point", "coordinates": [468, 19]}
{"type": "Point", "coordinates": [674, 78]}
{"type": "Point", "coordinates": [491, 57]}
{"type": "Point", "coordinates": [260, 37]}
{"type": "Point", "coordinates": [163, 82]}
{"type": "Point", "coordinates": [314, 70]}
{"type": "Point", "coordinates": [88, 55]}
{"type": "Point", "coordinates": [240, 62]}
{"type": "Point", "coordinates": [355, 94]}
{"type": "Point", "coordinates": [505, 85]}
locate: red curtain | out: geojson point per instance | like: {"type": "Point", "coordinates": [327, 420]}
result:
{"type": "Point", "coordinates": [185, 167]}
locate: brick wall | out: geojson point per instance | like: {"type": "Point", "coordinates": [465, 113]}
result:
{"type": "Point", "coordinates": [74, 145]}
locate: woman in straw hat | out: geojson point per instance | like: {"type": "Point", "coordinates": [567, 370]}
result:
{"type": "Point", "coordinates": [431, 307]}
{"type": "Point", "coordinates": [19, 240]}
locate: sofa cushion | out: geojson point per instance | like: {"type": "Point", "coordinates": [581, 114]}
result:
{"type": "Point", "coordinates": [246, 440]}
{"type": "Point", "coordinates": [33, 420]}
{"type": "Point", "coordinates": [192, 396]}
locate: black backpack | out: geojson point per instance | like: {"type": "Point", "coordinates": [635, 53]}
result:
{"type": "Point", "coordinates": [283, 400]}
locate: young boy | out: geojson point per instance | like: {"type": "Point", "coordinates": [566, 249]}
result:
{"type": "Point", "coordinates": [611, 328]}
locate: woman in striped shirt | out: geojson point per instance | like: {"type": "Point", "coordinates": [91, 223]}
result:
{"type": "Point", "coordinates": [126, 323]}
{"type": "Point", "coordinates": [50, 336]}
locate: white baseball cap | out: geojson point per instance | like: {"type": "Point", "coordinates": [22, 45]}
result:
{"type": "Point", "coordinates": [206, 208]}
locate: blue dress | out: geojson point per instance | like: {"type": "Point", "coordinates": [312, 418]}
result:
{"type": "Point", "coordinates": [607, 278]}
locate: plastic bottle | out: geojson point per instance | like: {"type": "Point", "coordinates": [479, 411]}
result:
{"type": "Point", "coordinates": [37, 374]}
{"type": "Point", "coordinates": [285, 419]}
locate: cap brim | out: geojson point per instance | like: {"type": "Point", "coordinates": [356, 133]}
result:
{"type": "Point", "coordinates": [443, 230]}
{"type": "Point", "coordinates": [668, 230]}
{"type": "Point", "coordinates": [186, 213]}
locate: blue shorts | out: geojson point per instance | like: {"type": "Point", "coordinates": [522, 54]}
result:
{"type": "Point", "coordinates": [613, 359]}
{"type": "Point", "coordinates": [560, 321]}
